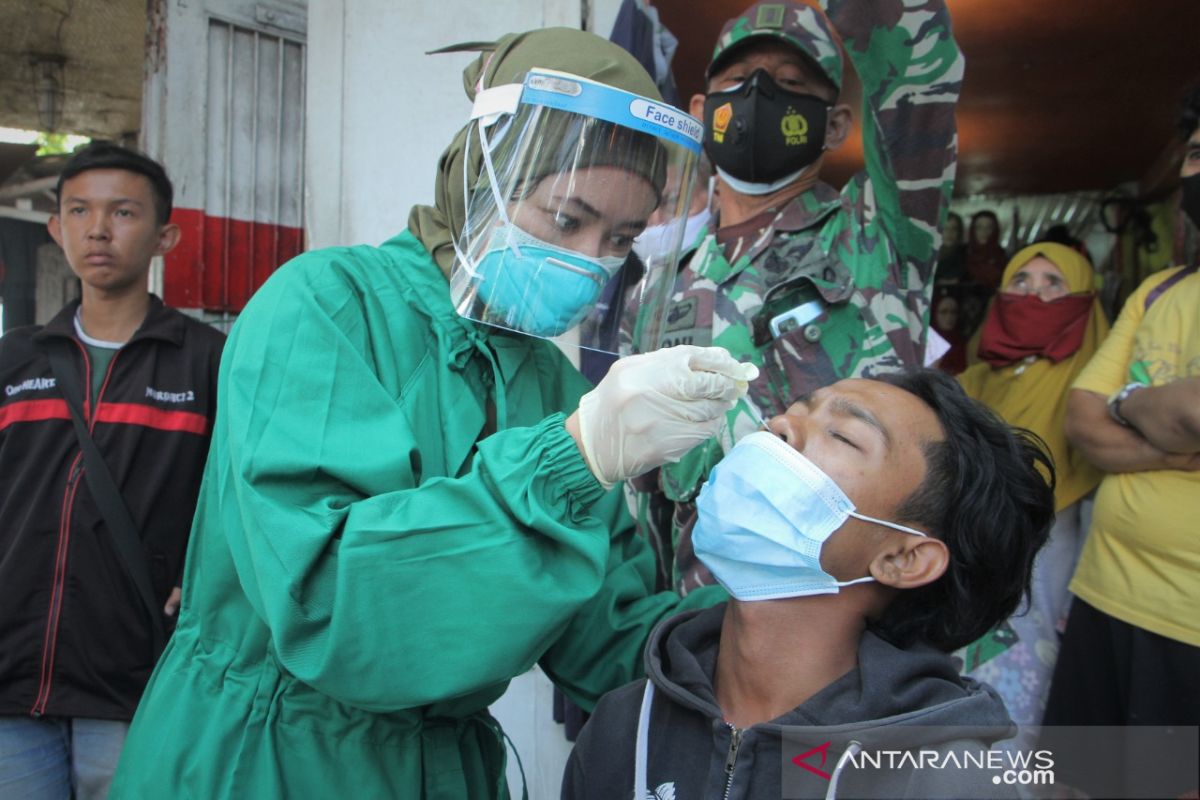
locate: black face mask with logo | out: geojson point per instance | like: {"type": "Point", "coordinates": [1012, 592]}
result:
{"type": "Point", "coordinates": [1189, 202]}
{"type": "Point", "coordinates": [759, 132]}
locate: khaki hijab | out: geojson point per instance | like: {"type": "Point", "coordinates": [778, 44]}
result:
{"type": "Point", "coordinates": [506, 61]}
{"type": "Point", "coordinates": [1034, 395]}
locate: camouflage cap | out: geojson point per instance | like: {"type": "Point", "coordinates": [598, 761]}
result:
{"type": "Point", "coordinates": [795, 23]}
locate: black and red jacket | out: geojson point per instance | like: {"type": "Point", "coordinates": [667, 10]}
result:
{"type": "Point", "coordinates": [75, 639]}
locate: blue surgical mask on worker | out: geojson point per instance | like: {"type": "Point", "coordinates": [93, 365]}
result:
{"type": "Point", "coordinates": [540, 288]}
{"type": "Point", "coordinates": [764, 515]}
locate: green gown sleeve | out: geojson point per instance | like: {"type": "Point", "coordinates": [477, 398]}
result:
{"type": "Point", "coordinates": [380, 589]}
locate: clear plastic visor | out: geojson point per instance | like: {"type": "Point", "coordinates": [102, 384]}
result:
{"type": "Point", "coordinates": [547, 244]}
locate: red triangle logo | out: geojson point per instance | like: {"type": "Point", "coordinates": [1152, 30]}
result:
{"type": "Point", "coordinates": [823, 750]}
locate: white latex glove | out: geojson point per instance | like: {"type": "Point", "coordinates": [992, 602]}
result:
{"type": "Point", "coordinates": [654, 408]}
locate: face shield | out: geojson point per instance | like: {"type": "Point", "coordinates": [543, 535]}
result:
{"type": "Point", "coordinates": [572, 171]}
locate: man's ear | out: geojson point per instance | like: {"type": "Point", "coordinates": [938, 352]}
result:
{"type": "Point", "coordinates": [908, 562]}
{"type": "Point", "coordinates": [696, 107]}
{"type": "Point", "coordinates": [838, 126]}
{"type": "Point", "coordinates": [55, 228]}
{"type": "Point", "coordinates": [168, 237]}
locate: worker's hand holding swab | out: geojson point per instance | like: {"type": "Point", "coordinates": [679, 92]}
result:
{"type": "Point", "coordinates": [653, 408]}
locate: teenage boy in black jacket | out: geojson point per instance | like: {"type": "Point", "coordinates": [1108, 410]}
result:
{"type": "Point", "coordinates": [77, 639]}
{"type": "Point", "coordinates": [875, 526]}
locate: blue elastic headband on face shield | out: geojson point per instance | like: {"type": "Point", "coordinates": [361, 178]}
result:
{"type": "Point", "coordinates": [565, 92]}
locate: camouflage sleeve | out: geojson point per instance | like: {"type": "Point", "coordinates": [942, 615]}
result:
{"type": "Point", "coordinates": [911, 70]}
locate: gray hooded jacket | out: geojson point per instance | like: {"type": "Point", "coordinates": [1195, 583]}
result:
{"type": "Point", "coordinates": [895, 701]}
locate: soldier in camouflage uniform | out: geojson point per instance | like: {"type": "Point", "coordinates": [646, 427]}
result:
{"type": "Point", "coordinates": [846, 276]}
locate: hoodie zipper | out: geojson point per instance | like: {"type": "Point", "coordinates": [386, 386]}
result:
{"type": "Point", "coordinates": [735, 741]}
{"type": "Point", "coordinates": [50, 642]}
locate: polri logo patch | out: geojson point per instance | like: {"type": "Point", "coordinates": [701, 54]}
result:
{"type": "Point", "coordinates": [794, 127]}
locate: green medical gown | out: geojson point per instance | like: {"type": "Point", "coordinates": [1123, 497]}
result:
{"type": "Point", "coordinates": [369, 566]}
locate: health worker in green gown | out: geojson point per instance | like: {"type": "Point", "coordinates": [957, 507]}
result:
{"type": "Point", "coordinates": [412, 495]}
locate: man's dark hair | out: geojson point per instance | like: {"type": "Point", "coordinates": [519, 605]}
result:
{"type": "Point", "coordinates": [1189, 115]}
{"type": "Point", "coordinates": [108, 155]}
{"type": "Point", "coordinates": [988, 494]}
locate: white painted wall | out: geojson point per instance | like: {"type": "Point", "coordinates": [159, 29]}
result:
{"type": "Point", "coordinates": [380, 111]}
{"type": "Point", "coordinates": [379, 114]}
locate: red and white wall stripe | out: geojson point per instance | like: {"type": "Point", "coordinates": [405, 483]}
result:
{"type": "Point", "coordinates": [224, 111]}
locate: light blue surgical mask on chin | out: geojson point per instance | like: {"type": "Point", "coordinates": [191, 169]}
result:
{"type": "Point", "coordinates": [764, 515]}
{"type": "Point", "coordinates": [537, 287]}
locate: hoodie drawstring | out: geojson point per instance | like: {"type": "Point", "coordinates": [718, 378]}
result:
{"type": "Point", "coordinates": [643, 743]}
{"type": "Point", "coordinates": [852, 749]}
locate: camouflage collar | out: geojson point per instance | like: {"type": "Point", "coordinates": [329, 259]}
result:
{"type": "Point", "coordinates": [803, 211]}
{"type": "Point", "coordinates": [807, 209]}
